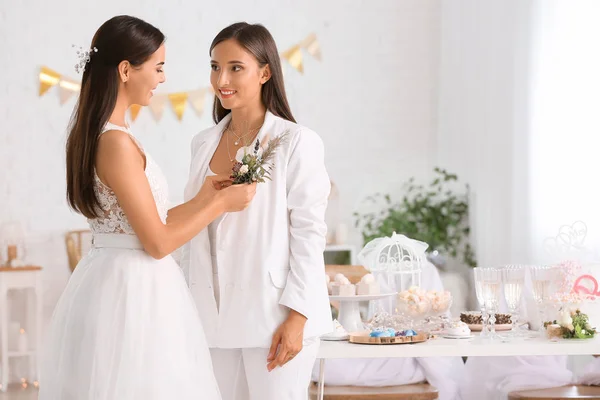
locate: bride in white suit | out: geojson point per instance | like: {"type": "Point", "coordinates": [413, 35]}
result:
{"type": "Point", "coordinates": [258, 277]}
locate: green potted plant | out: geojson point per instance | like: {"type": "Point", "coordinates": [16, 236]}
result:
{"type": "Point", "coordinates": [433, 214]}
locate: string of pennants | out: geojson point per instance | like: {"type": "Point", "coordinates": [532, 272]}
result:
{"type": "Point", "coordinates": [68, 87]}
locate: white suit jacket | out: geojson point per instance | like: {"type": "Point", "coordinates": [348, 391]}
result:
{"type": "Point", "coordinates": [269, 256]}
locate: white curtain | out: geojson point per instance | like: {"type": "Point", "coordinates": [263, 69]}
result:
{"type": "Point", "coordinates": [564, 131]}
{"type": "Point", "coordinates": [519, 119]}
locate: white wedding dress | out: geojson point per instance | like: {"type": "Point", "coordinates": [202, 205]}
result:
{"type": "Point", "coordinates": [126, 326]}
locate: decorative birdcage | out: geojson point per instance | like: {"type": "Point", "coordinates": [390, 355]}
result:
{"type": "Point", "coordinates": [396, 262]}
{"type": "Point", "coordinates": [397, 256]}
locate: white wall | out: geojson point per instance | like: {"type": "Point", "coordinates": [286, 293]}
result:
{"type": "Point", "coordinates": [482, 117]}
{"type": "Point", "coordinates": [372, 98]}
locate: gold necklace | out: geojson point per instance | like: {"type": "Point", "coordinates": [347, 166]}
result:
{"type": "Point", "coordinates": [238, 137]}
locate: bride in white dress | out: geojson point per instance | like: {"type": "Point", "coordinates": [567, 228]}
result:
{"type": "Point", "coordinates": [126, 326]}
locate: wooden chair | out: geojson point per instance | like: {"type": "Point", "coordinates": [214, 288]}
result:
{"type": "Point", "coordinates": [558, 393]}
{"type": "Point", "coordinates": [77, 242]}
{"type": "Point", "coordinates": [418, 391]}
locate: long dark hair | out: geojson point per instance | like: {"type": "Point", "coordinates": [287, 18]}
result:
{"type": "Point", "coordinates": [257, 40]}
{"type": "Point", "coordinates": [118, 39]}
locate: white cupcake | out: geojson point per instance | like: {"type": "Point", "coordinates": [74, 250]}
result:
{"type": "Point", "coordinates": [457, 329]}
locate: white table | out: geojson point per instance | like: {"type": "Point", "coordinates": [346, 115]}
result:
{"type": "Point", "coordinates": [440, 347]}
{"type": "Point", "coordinates": [27, 278]}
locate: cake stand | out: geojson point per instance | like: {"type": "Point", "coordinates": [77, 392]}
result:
{"type": "Point", "coordinates": [349, 313]}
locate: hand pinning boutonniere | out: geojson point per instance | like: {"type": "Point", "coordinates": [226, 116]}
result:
{"type": "Point", "coordinates": [254, 163]}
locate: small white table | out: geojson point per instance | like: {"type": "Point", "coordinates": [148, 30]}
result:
{"type": "Point", "coordinates": [27, 278]}
{"type": "Point", "coordinates": [440, 347]}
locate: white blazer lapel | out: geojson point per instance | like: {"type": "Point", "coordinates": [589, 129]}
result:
{"type": "Point", "coordinates": [200, 269]}
{"type": "Point", "coordinates": [268, 127]}
{"type": "Point", "coordinates": [202, 153]}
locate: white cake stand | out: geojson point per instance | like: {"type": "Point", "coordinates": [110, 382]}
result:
{"type": "Point", "coordinates": [349, 313]}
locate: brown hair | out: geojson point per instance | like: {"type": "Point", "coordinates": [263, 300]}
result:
{"type": "Point", "coordinates": [118, 39]}
{"type": "Point", "coordinates": [257, 40]}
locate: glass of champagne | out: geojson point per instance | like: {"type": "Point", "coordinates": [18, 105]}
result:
{"type": "Point", "coordinates": [543, 279]}
{"type": "Point", "coordinates": [513, 280]}
{"type": "Point", "coordinates": [491, 286]}
{"type": "Point", "coordinates": [478, 278]}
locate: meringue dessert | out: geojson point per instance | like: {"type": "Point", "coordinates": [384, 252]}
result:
{"type": "Point", "coordinates": [367, 286]}
{"type": "Point", "coordinates": [413, 301]}
{"type": "Point", "coordinates": [457, 328]}
{"type": "Point", "coordinates": [342, 286]}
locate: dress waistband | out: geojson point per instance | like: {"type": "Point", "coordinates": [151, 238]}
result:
{"type": "Point", "coordinates": [116, 241]}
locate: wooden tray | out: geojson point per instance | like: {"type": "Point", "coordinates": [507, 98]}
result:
{"type": "Point", "coordinates": [364, 338]}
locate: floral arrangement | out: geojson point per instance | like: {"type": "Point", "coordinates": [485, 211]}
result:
{"type": "Point", "coordinates": [573, 325]}
{"type": "Point", "coordinates": [254, 163]}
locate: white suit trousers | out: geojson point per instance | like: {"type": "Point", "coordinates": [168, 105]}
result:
{"type": "Point", "coordinates": [242, 373]}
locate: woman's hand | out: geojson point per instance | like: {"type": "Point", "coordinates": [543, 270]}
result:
{"type": "Point", "coordinates": [230, 197]}
{"type": "Point", "coordinates": [236, 197]}
{"type": "Point", "coordinates": [287, 341]}
{"type": "Point", "coordinates": [210, 188]}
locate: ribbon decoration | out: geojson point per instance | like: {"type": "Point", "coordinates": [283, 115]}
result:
{"type": "Point", "coordinates": [178, 101]}
{"type": "Point", "coordinates": [48, 78]}
{"type": "Point", "coordinates": [311, 44]}
{"type": "Point", "coordinates": [67, 88]}
{"type": "Point", "coordinates": [580, 287]}
{"type": "Point", "coordinates": [197, 100]}
{"type": "Point", "coordinates": [134, 110]}
{"type": "Point", "coordinates": [294, 58]}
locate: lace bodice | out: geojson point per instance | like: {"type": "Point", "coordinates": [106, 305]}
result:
{"type": "Point", "coordinates": [112, 218]}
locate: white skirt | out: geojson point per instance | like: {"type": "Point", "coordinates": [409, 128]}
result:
{"type": "Point", "coordinates": [126, 327]}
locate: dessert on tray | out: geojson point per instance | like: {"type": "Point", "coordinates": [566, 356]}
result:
{"type": "Point", "coordinates": [390, 332]}
{"type": "Point", "coordinates": [388, 336]}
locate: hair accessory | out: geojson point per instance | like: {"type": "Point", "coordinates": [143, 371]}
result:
{"type": "Point", "coordinates": [84, 58]}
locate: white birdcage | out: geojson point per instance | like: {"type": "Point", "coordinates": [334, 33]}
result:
{"type": "Point", "coordinates": [395, 261]}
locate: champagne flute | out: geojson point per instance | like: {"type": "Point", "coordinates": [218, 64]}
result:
{"type": "Point", "coordinates": [543, 279]}
{"type": "Point", "coordinates": [491, 285]}
{"type": "Point", "coordinates": [478, 278]}
{"type": "Point", "coordinates": [513, 280]}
